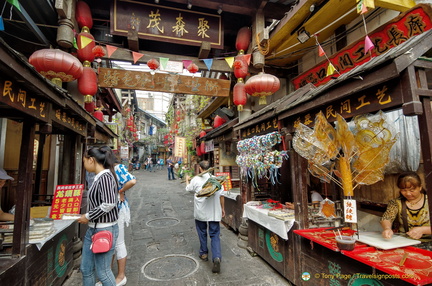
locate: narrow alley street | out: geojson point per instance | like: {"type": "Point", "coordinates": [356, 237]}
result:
{"type": "Point", "coordinates": [163, 245]}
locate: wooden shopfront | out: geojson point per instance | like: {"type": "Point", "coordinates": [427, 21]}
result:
{"type": "Point", "coordinates": [398, 81]}
{"type": "Point", "coordinates": [43, 137]}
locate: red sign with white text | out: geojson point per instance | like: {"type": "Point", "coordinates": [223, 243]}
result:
{"type": "Point", "coordinates": [67, 199]}
{"type": "Point", "coordinates": [407, 25]}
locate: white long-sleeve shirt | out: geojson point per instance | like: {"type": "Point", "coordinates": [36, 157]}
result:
{"type": "Point", "coordinates": [205, 208]}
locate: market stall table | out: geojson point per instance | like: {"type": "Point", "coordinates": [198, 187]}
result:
{"type": "Point", "coordinates": [261, 216]}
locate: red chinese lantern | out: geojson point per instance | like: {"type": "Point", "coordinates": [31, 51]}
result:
{"type": "Point", "coordinates": [178, 112]}
{"type": "Point", "coordinates": [83, 15]}
{"type": "Point", "coordinates": [86, 43]}
{"type": "Point", "coordinates": [153, 64]}
{"type": "Point", "coordinates": [262, 85]}
{"type": "Point", "coordinates": [56, 65]}
{"type": "Point", "coordinates": [202, 148]}
{"type": "Point", "coordinates": [218, 121]}
{"type": "Point", "coordinates": [87, 83]}
{"type": "Point", "coordinates": [90, 105]}
{"type": "Point", "coordinates": [243, 39]}
{"type": "Point", "coordinates": [240, 67]}
{"type": "Point", "coordinates": [192, 68]}
{"type": "Point", "coordinates": [202, 134]}
{"type": "Point", "coordinates": [239, 94]}
{"type": "Point", "coordinates": [98, 51]}
{"type": "Point", "coordinates": [98, 114]}
{"type": "Point", "coordinates": [176, 126]}
{"type": "Point", "coordinates": [198, 151]}
{"type": "Point", "coordinates": [178, 118]}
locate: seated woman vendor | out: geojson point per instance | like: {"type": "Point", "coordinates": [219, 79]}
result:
{"type": "Point", "coordinates": [411, 209]}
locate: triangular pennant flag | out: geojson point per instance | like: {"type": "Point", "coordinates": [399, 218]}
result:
{"type": "Point", "coordinates": [368, 44]}
{"type": "Point", "coordinates": [247, 57]}
{"type": "Point", "coordinates": [330, 69]}
{"type": "Point", "coordinates": [1, 24]}
{"type": "Point", "coordinates": [320, 51]}
{"type": "Point", "coordinates": [75, 45]}
{"type": "Point", "coordinates": [136, 56]}
{"type": "Point", "coordinates": [163, 62]}
{"type": "Point", "coordinates": [364, 9]}
{"type": "Point", "coordinates": [186, 63]}
{"type": "Point", "coordinates": [85, 41]}
{"type": "Point", "coordinates": [15, 3]}
{"type": "Point", "coordinates": [110, 50]}
{"type": "Point", "coordinates": [208, 63]}
{"type": "Point", "coordinates": [230, 61]}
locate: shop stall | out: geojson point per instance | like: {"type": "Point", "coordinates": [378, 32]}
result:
{"type": "Point", "coordinates": [43, 136]}
{"type": "Point", "coordinates": [394, 85]}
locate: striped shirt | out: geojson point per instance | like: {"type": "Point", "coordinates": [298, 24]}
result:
{"type": "Point", "coordinates": [102, 198]}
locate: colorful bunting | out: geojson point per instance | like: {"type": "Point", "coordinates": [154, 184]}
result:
{"type": "Point", "coordinates": [330, 69]}
{"type": "Point", "coordinates": [230, 61]}
{"type": "Point", "coordinates": [110, 50]}
{"type": "Point", "coordinates": [75, 45]}
{"type": "Point", "coordinates": [15, 3]}
{"type": "Point", "coordinates": [368, 44]}
{"type": "Point", "coordinates": [247, 57]}
{"type": "Point", "coordinates": [208, 63]}
{"type": "Point", "coordinates": [136, 56]}
{"type": "Point", "coordinates": [186, 63]}
{"type": "Point", "coordinates": [1, 24]}
{"type": "Point", "coordinates": [320, 51]}
{"type": "Point", "coordinates": [163, 62]}
{"type": "Point", "coordinates": [85, 41]}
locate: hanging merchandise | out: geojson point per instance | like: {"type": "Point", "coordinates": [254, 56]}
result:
{"type": "Point", "coordinates": [256, 158]}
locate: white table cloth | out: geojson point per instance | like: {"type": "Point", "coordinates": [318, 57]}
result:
{"type": "Point", "coordinates": [260, 216]}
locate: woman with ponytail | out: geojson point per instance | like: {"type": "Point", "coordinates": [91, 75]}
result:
{"type": "Point", "coordinates": [102, 214]}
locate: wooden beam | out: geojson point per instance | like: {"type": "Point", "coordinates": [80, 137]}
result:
{"type": "Point", "coordinates": [133, 40]}
{"type": "Point", "coordinates": [204, 50]}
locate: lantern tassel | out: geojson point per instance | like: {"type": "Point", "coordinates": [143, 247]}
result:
{"type": "Point", "coordinates": [262, 100]}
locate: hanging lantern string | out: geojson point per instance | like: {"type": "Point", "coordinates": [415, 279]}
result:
{"type": "Point", "coordinates": [325, 54]}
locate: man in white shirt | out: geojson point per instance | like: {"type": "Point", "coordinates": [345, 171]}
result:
{"type": "Point", "coordinates": [208, 212]}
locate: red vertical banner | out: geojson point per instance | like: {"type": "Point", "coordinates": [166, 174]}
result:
{"type": "Point", "coordinates": [227, 184]}
{"type": "Point", "coordinates": [67, 199]}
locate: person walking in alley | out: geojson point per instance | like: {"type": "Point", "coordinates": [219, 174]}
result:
{"type": "Point", "coordinates": [170, 168]}
{"type": "Point", "coordinates": [208, 212]}
{"type": "Point", "coordinates": [149, 164]}
{"type": "Point", "coordinates": [125, 181]}
{"type": "Point", "coordinates": [102, 214]}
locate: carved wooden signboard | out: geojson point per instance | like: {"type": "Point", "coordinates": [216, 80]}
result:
{"type": "Point", "coordinates": [174, 83]}
{"type": "Point", "coordinates": [166, 24]}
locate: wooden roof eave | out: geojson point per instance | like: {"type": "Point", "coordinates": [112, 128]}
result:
{"type": "Point", "coordinates": [212, 107]}
{"type": "Point", "coordinates": [285, 46]}
{"type": "Point", "coordinates": [380, 69]}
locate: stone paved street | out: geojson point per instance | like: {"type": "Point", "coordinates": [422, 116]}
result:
{"type": "Point", "coordinates": [163, 245]}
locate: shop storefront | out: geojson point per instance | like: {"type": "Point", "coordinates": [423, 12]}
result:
{"type": "Point", "coordinates": [43, 137]}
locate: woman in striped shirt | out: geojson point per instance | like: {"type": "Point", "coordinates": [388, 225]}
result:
{"type": "Point", "coordinates": [102, 214]}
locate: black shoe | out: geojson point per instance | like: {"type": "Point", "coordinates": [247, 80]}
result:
{"type": "Point", "coordinates": [216, 265]}
{"type": "Point", "coordinates": [204, 257]}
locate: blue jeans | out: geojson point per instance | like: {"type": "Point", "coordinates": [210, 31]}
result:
{"type": "Point", "coordinates": [99, 263]}
{"type": "Point", "coordinates": [171, 173]}
{"type": "Point", "coordinates": [214, 233]}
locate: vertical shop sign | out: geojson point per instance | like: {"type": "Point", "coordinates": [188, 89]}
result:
{"type": "Point", "coordinates": [67, 199]}
{"type": "Point", "coordinates": [209, 146]}
{"type": "Point", "coordinates": [350, 211]}
{"type": "Point", "coordinates": [180, 147]}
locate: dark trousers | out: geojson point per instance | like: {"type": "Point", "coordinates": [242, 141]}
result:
{"type": "Point", "coordinates": [214, 233]}
{"type": "Point", "coordinates": [171, 173]}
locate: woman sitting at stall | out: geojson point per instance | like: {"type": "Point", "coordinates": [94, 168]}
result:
{"type": "Point", "coordinates": [411, 209]}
